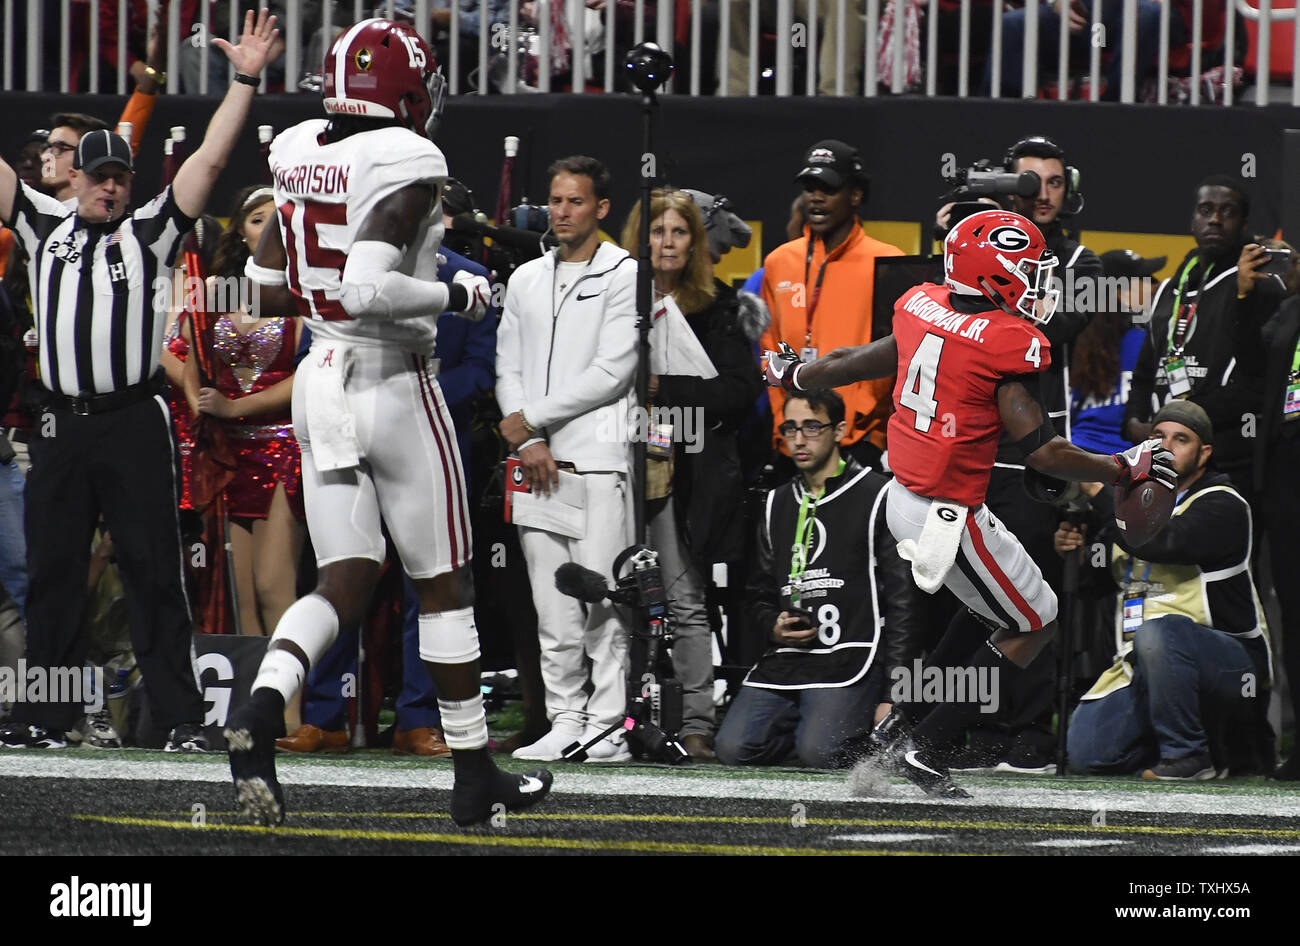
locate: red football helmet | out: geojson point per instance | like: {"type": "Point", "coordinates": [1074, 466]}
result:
{"type": "Point", "coordinates": [383, 69]}
{"type": "Point", "coordinates": [1003, 257]}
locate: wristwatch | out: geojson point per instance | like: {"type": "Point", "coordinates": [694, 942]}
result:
{"type": "Point", "coordinates": [159, 78]}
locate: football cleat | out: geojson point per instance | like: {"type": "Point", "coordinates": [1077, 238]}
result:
{"type": "Point", "coordinates": [250, 739]}
{"type": "Point", "coordinates": [931, 779]}
{"type": "Point", "coordinates": [473, 802]}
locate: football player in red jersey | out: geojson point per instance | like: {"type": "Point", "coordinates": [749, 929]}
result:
{"type": "Point", "coordinates": [356, 250]}
{"type": "Point", "coordinates": [968, 355]}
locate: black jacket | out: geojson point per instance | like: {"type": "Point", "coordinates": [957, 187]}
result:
{"type": "Point", "coordinates": [1078, 263]}
{"type": "Point", "coordinates": [853, 576]}
{"type": "Point", "coordinates": [1219, 347]}
{"type": "Point", "coordinates": [1278, 342]}
{"type": "Point", "coordinates": [708, 484]}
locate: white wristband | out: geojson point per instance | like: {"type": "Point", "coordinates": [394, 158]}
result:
{"type": "Point", "coordinates": [264, 275]}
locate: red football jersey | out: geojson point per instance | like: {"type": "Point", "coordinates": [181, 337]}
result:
{"type": "Point", "coordinates": [945, 430]}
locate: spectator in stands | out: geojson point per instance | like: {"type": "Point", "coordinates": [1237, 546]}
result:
{"type": "Point", "coordinates": [1192, 662]}
{"type": "Point", "coordinates": [707, 382]}
{"type": "Point", "coordinates": [1107, 350]}
{"type": "Point", "coordinates": [819, 290]}
{"type": "Point", "coordinates": [1276, 458]}
{"type": "Point", "coordinates": [828, 36]}
{"type": "Point", "coordinates": [1199, 336]}
{"type": "Point", "coordinates": [1079, 14]}
{"type": "Point", "coordinates": [839, 615]}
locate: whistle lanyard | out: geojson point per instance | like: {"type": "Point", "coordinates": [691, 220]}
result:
{"type": "Point", "coordinates": [1179, 324]}
{"type": "Point", "coordinates": [804, 529]}
{"type": "Point", "coordinates": [817, 289]}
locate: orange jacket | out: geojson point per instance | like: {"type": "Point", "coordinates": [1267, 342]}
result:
{"type": "Point", "coordinates": [841, 317]}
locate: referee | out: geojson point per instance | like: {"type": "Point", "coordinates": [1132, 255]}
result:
{"type": "Point", "coordinates": [103, 443]}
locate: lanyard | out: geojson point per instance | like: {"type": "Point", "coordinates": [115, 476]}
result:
{"type": "Point", "coordinates": [1295, 359]}
{"type": "Point", "coordinates": [804, 529]}
{"type": "Point", "coordinates": [1178, 325]}
{"type": "Point", "coordinates": [1128, 575]}
{"type": "Point", "coordinates": [817, 289]}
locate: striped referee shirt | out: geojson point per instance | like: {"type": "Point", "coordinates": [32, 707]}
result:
{"type": "Point", "coordinates": [93, 289]}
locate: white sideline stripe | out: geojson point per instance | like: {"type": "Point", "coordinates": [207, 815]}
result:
{"type": "Point", "coordinates": [887, 838]}
{"type": "Point", "coordinates": [1158, 798]}
{"type": "Point", "coordinates": [1253, 849]}
{"type": "Point", "coordinates": [1077, 842]}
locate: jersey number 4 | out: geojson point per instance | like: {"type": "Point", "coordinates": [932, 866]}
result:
{"type": "Point", "coordinates": [311, 255]}
{"type": "Point", "coordinates": [923, 369]}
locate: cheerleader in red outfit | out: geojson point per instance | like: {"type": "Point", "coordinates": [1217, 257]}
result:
{"type": "Point", "coordinates": [253, 362]}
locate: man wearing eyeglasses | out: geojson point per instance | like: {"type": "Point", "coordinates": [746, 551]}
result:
{"type": "Point", "coordinates": [834, 599]}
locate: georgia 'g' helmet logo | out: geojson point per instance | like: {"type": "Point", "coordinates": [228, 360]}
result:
{"type": "Point", "coordinates": [364, 58]}
{"type": "Point", "coordinates": [1011, 239]}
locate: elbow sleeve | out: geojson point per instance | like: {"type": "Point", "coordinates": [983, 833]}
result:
{"type": "Point", "coordinates": [373, 289]}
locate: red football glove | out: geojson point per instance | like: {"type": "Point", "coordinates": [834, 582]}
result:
{"type": "Point", "coordinates": [1146, 461]}
{"type": "Point", "coordinates": [779, 368]}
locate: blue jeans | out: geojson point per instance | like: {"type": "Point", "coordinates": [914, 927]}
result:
{"type": "Point", "coordinates": [767, 727]}
{"type": "Point", "coordinates": [1179, 667]}
{"type": "Point", "coordinates": [13, 543]}
{"type": "Point", "coordinates": [1049, 25]}
{"type": "Point", "coordinates": [417, 704]}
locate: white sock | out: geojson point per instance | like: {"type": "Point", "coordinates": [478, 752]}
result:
{"type": "Point", "coordinates": [312, 625]}
{"type": "Point", "coordinates": [464, 722]}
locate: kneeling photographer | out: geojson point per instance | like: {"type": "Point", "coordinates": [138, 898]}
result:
{"type": "Point", "coordinates": [838, 605]}
{"type": "Point", "coordinates": [1187, 695]}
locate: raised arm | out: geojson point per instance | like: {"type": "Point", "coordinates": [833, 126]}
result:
{"type": "Point", "coordinates": [196, 176]}
{"type": "Point", "coordinates": [8, 190]}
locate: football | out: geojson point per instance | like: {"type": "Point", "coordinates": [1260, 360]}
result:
{"type": "Point", "coordinates": [1141, 512]}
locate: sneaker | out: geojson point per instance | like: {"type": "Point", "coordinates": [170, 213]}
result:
{"type": "Point", "coordinates": [474, 801]}
{"type": "Point", "coordinates": [187, 737]}
{"type": "Point", "coordinates": [1026, 760]}
{"type": "Point", "coordinates": [551, 746]}
{"type": "Point", "coordinates": [608, 751]}
{"type": "Point", "coordinates": [96, 731]}
{"type": "Point", "coordinates": [1192, 768]}
{"type": "Point", "coordinates": [931, 779]}
{"type": "Point", "coordinates": [974, 759]}
{"type": "Point", "coordinates": [250, 741]}
{"type": "Point", "coordinates": [24, 736]}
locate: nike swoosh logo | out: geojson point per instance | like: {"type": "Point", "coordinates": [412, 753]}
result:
{"type": "Point", "coordinates": [530, 785]}
{"type": "Point", "coordinates": [913, 760]}
{"type": "Point", "coordinates": [592, 296]}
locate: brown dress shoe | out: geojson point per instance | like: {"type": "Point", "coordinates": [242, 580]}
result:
{"type": "Point", "coordinates": [309, 738]}
{"type": "Point", "coordinates": [424, 741]}
{"type": "Point", "coordinates": [699, 746]}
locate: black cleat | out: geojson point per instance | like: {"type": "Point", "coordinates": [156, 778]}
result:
{"type": "Point", "coordinates": [473, 802]}
{"type": "Point", "coordinates": [250, 739]}
{"type": "Point", "coordinates": [934, 781]}
{"type": "Point", "coordinates": [890, 735]}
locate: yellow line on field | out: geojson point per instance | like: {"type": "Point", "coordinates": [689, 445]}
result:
{"type": "Point", "coordinates": [645, 847]}
{"type": "Point", "coordinates": [825, 822]}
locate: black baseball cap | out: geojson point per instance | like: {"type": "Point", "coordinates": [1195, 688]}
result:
{"type": "Point", "coordinates": [1191, 415]}
{"type": "Point", "coordinates": [98, 148]}
{"type": "Point", "coordinates": [1128, 263]}
{"type": "Point", "coordinates": [832, 163]}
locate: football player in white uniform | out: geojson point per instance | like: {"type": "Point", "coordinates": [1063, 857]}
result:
{"type": "Point", "coordinates": [360, 221]}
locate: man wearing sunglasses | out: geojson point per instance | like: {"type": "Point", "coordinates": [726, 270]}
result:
{"type": "Point", "coordinates": [836, 602]}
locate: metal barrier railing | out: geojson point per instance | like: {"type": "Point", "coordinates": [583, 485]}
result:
{"type": "Point", "coordinates": [507, 40]}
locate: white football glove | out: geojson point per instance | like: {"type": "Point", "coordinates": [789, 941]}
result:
{"type": "Point", "coordinates": [479, 291]}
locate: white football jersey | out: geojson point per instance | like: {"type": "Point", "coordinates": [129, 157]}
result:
{"type": "Point", "coordinates": [323, 194]}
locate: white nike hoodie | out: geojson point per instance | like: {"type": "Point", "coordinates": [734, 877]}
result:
{"type": "Point", "coordinates": [570, 366]}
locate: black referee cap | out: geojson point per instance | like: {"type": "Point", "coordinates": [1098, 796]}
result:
{"type": "Point", "coordinates": [98, 148]}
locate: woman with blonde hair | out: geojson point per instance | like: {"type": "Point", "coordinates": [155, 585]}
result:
{"type": "Point", "coordinates": [694, 487]}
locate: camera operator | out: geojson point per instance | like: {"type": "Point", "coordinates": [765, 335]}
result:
{"type": "Point", "coordinates": [566, 359]}
{"type": "Point", "coordinates": [1205, 330]}
{"type": "Point", "coordinates": [838, 612]}
{"type": "Point", "coordinates": [1192, 655]}
{"type": "Point", "coordinates": [1022, 739]}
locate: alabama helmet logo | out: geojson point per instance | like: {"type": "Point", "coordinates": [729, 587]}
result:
{"type": "Point", "coordinates": [1009, 238]}
{"type": "Point", "coordinates": [364, 58]}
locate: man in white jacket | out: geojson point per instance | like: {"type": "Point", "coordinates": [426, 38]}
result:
{"type": "Point", "coordinates": [566, 360]}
